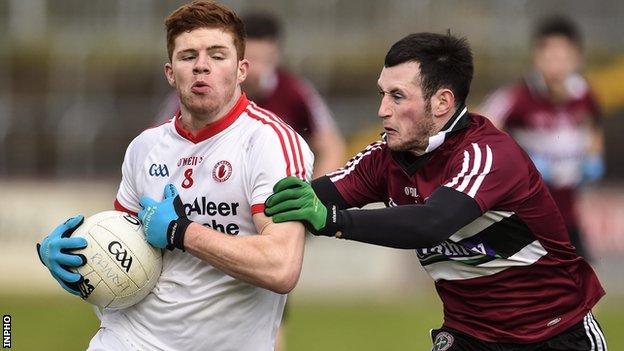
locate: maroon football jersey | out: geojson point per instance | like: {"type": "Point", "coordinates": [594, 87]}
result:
{"type": "Point", "coordinates": [512, 274]}
{"type": "Point", "coordinates": [556, 133]}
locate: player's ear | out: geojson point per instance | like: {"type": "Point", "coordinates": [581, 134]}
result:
{"type": "Point", "coordinates": [169, 74]}
{"type": "Point", "coordinates": [243, 68]}
{"type": "Point", "coordinates": [442, 102]}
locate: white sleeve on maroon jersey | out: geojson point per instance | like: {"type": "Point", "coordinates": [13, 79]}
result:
{"type": "Point", "coordinates": [498, 105]}
{"type": "Point", "coordinates": [490, 173]}
{"type": "Point", "coordinates": [275, 152]}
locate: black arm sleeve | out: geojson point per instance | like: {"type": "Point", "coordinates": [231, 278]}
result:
{"type": "Point", "coordinates": [327, 192]}
{"type": "Point", "coordinates": [411, 226]}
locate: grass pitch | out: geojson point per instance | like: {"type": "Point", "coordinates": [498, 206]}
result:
{"type": "Point", "coordinates": [59, 322]}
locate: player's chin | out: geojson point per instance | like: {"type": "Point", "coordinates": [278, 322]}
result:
{"type": "Point", "coordinates": [394, 143]}
{"type": "Point", "coordinates": [203, 105]}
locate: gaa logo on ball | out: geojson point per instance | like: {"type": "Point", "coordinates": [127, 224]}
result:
{"type": "Point", "coordinates": [122, 268]}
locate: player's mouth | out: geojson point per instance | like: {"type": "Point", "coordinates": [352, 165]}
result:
{"type": "Point", "coordinates": [389, 130]}
{"type": "Point", "coordinates": [200, 87]}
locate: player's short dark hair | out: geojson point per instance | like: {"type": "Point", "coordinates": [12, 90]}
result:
{"type": "Point", "coordinates": [205, 14]}
{"type": "Point", "coordinates": [262, 25]}
{"type": "Point", "coordinates": [445, 62]}
{"type": "Point", "coordinates": [558, 25]}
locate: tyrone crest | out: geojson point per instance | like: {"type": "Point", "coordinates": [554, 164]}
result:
{"type": "Point", "coordinates": [222, 171]}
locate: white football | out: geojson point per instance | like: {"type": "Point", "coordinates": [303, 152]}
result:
{"type": "Point", "coordinates": [122, 267]}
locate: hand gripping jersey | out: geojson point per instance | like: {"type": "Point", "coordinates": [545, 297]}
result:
{"type": "Point", "coordinates": [511, 275]}
{"type": "Point", "coordinates": [224, 174]}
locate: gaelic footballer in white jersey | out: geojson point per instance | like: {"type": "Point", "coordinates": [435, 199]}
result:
{"type": "Point", "coordinates": [224, 174]}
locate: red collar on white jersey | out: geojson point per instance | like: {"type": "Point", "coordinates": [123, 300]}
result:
{"type": "Point", "coordinates": [214, 128]}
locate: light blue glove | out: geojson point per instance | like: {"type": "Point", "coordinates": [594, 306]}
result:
{"type": "Point", "coordinates": [164, 223]}
{"type": "Point", "coordinates": [593, 168]}
{"type": "Point", "coordinates": [54, 253]}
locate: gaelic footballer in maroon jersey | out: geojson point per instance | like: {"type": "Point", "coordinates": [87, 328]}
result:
{"type": "Point", "coordinates": [467, 199]}
{"type": "Point", "coordinates": [554, 116]}
{"type": "Point", "coordinates": [520, 232]}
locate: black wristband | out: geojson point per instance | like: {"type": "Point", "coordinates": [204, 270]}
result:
{"type": "Point", "coordinates": [176, 232]}
{"type": "Point", "coordinates": [333, 222]}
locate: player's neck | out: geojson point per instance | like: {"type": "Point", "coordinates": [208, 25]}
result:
{"type": "Point", "coordinates": [194, 122]}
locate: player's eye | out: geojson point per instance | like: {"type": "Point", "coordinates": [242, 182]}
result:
{"type": "Point", "coordinates": [218, 57]}
{"type": "Point", "coordinates": [188, 58]}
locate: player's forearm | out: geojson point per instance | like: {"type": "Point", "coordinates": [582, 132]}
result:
{"type": "Point", "coordinates": [411, 226]}
{"type": "Point", "coordinates": [273, 263]}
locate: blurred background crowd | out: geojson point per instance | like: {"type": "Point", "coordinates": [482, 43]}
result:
{"type": "Point", "coordinates": [80, 79]}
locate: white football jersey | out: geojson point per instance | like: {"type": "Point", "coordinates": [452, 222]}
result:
{"type": "Point", "coordinates": [223, 175]}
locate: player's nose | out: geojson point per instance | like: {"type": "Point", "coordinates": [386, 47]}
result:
{"type": "Point", "coordinates": [384, 109]}
{"type": "Point", "coordinates": [202, 65]}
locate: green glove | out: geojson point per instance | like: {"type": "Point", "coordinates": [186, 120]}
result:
{"type": "Point", "coordinates": [295, 200]}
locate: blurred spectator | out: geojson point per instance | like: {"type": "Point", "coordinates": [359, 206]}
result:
{"type": "Point", "coordinates": [554, 116]}
{"type": "Point", "coordinates": [276, 89]}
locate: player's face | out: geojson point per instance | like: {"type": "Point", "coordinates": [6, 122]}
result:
{"type": "Point", "coordinates": [407, 118]}
{"type": "Point", "coordinates": [206, 72]}
{"type": "Point", "coordinates": [263, 56]}
{"type": "Point", "coordinates": [556, 58]}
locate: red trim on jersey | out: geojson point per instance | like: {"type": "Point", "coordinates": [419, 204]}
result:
{"type": "Point", "coordinates": [296, 151]}
{"type": "Point", "coordinates": [273, 124]}
{"type": "Point", "coordinates": [257, 208]}
{"type": "Point", "coordinates": [214, 128]}
{"type": "Point", "coordinates": [120, 207]}
{"type": "Point", "coordinates": [286, 128]}
{"type": "Point", "coordinates": [292, 132]}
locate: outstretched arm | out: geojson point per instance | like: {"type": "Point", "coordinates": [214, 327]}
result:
{"type": "Point", "coordinates": [405, 227]}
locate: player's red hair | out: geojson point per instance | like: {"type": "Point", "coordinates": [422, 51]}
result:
{"type": "Point", "coordinates": [205, 14]}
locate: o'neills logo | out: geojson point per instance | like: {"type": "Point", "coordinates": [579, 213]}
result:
{"type": "Point", "coordinates": [222, 171]}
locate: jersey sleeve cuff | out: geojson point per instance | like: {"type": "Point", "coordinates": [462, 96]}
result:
{"type": "Point", "coordinates": [257, 208]}
{"type": "Point", "coordinates": [120, 207]}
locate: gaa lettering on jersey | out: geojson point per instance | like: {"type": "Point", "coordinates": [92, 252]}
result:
{"type": "Point", "coordinates": [190, 161]}
{"type": "Point", "coordinates": [157, 170]}
{"type": "Point", "coordinates": [474, 169]}
{"type": "Point", "coordinates": [222, 171]}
